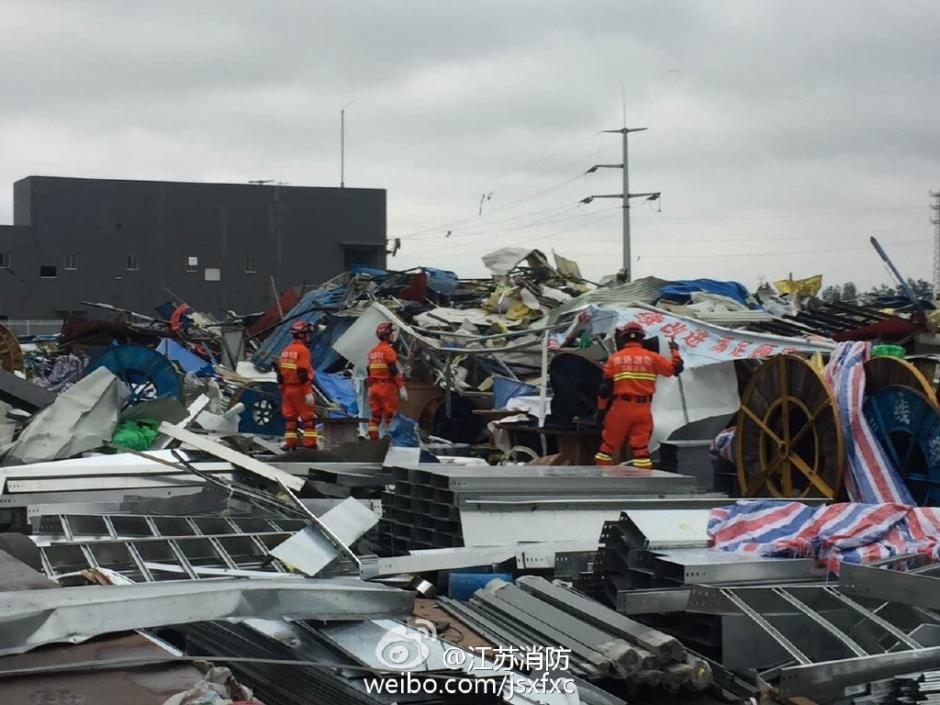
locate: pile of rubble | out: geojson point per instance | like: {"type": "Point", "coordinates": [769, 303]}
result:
{"type": "Point", "coordinates": [158, 546]}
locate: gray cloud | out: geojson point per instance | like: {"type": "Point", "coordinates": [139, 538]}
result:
{"type": "Point", "coordinates": [782, 133]}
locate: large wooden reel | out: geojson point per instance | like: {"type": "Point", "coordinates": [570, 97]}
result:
{"type": "Point", "coordinates": [929, 367]}
{"type": "Point", "coordinates": [789, 441]}
{"type": "Point", "coordinates": [881, 372]}
{"type": "Point", "coordinates": [11, 354]}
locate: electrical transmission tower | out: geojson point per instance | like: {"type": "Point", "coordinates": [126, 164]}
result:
{"type": "Point", "coordinates": [625, 194]}
{"type": "Point", "coordinates": [935, 219]}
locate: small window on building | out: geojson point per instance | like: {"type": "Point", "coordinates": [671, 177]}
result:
{"type": "Point", "coordinates": [71, 262]}
{"type": "Point", "coordinates": [48, 271]}
{"type": "Point", "coordinates": [213, 275]}
{"type": "Point", "coordinates": [192, 264]}
{"type": "Point", "coordinates": [251, 266]}
{"type": "Point", "coordinates": [132, 264]}
{"type": "Point", "coordinates": [5, 260]}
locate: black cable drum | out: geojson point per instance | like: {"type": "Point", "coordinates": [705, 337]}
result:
{"type": "Point", "coordinates": [575, 380]}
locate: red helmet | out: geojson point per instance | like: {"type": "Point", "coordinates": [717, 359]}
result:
{"type": "Point", "coordinates": [299, 328]}
{"type": "Point", "coordinates": [383, 330]}
{"type": "Point", "coordinates": [633, 331]}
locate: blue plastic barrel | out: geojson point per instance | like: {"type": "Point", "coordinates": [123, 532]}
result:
{"type": "Point", "coordinates": [461, 586]}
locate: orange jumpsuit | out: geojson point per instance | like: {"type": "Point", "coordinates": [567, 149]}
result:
{"type": "Point", "coordinates": [295, 377]}
{"type": "Point", "coordinates": [627, 395]}
{"type": "Point", "coordinates": [384, 382]}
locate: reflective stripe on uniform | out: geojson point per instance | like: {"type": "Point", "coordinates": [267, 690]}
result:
{"type": "Point", "coordinates": [646, 376]}
{"type": "Point", "coordinates": [287, 366]}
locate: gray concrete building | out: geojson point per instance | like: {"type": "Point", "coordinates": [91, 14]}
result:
{"type": "Point", "coordinates": [215, 246]}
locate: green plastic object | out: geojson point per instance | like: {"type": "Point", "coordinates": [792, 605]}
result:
{"type": "Point", "coordinates": [888, 351]}
{"type": "Point", "coordinates": [136, 434]}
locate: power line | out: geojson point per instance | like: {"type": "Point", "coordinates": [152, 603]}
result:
{"type": "Point", "coordinates": [498, 209]}
{"type": "Point", "coordinates": [475, 244]}
{"type": "Point", "coordinates": [555, 218]}
{"type": "Point", "coordinates": [709, 240]}
{"type": "Point", "coordinates": [784, 216]}
{"type": "Point", "coordinates": [528, 214]}
{"type": "Point", "coordinates": [784, 253]}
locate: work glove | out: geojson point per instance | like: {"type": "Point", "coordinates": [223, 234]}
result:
{"type": "Point", "coordinates": [673, 345]}
{"type": "Point", "coordinates": [403, 394]}
{"type": "Point", "coordinates": [309, 399]}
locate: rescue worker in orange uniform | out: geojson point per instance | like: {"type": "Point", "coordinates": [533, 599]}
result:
{"type": "Point", "coordinates": [295, 377]}
{"type": "Point", "coordinates": [626, 395]}
{"type": "Point", "coordinates": [385, 382]}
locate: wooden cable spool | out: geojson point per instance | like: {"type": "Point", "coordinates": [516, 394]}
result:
{"type": "Point", "coordinates": [789, 438]}
{"type": "Point", "coordinates": [11, 354]}
{"type": "Point", "coordinates": [881, 372]}
{"type": "Point", "coordinates": [929, 367]}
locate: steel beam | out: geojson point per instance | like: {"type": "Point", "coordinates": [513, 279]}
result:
{"type": "Point", "coordinates": [827, 681]}
{"type": "Point", "coordinates": [890, 585]}
{"type": "Point", "coordinates": [31, 618]}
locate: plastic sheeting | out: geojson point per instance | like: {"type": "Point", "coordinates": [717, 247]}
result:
{"type": "Point", "coordinates": [505, 389]}
{"type": "Point", "coordinates": [681, 291]}
{"type": "Point", "coordinates": [321, 346]}
{"type": "Point", "coordinates": [312, 308]}
{"type": "Point", "coordinates": [700, 343]}
{"type": "Point", "coordinates": [188, 361]}
{"type": "Point", "coordinates": [855, 533]}
{"type": "Point", "coordinates": [441, 281]}
{"type": "Point", "coordinates": [341, 390]}
{"type": "Point", "coordinates": [81, 419]}
{"type": "Point", "coordinates": [871, 477]}
{"type": "Point", "coordinates": [404, 432]}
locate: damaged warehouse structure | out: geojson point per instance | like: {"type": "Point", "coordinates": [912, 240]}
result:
{"type": "Point", "coordinates": [785, 545]}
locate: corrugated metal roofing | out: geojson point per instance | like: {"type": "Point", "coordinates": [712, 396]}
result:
{"type": "Point", "coordinates": [641, 291]}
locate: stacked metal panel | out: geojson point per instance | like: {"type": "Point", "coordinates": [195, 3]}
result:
{"type": "Point", "coordinates": [602, 643]}
{"type": "Point", "coordinates": [154, 548]}
{"type": "Point", "coordinates": [923, 688]}
{"type": "Point", "coordinates": [649, 558]}
{"type": "Point", "coordinates": [429, 505]}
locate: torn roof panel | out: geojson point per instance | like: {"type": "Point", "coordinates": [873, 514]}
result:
{"type": "Point", "coordinates": [641, 291]}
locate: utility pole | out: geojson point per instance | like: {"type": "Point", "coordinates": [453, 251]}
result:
{"type": "Point", "coordinates": [625, 195]}
{"type": "Point", "coordinates": [935, 219]}
{"type": "Point", "coordinates": [342, 144]}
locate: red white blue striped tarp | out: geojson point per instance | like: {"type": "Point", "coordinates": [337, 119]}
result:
{"type": "Point", "coordinates": [871, 478]}
{"type": "Point", "coordinates": [848, 531]}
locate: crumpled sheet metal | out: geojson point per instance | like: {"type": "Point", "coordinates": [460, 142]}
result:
{"type": "Point", "coordinates": [81, 419]}
{"type": "Point", "coordinates": [502, 261]}
{"type": "Point", "coordinates": [311, 551]}
{"type": "Point", "coordinates": [31, 618]}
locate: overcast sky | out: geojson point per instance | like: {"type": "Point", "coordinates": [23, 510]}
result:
{"type": "Point", "coordinates": [781, 133]}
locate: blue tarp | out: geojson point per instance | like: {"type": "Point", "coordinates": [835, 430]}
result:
{"type": "Point", "coordinates": [441, 280]}
{"type": "Point", "coordinates": [371, 271]}
{"type": "Point", "coordinates": [341, 390]}
{"type": "Point", "coordinates": [187, 361]}
{"type": "Point", "coordinates": [310, 309]}
{"type": "Point", "coordinates": [505, 389]}
{"type": "Point", "coordinates": [321, 347]}
{"type": "Point", "coordinates": [404, 432]}
{"type": "Point", "coordinates": [681, 291]}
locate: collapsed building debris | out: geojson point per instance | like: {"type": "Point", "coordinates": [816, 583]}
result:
{"type": "Point", "coordinates": [143, 474]}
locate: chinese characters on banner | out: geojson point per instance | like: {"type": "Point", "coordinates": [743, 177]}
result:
{"type": "Point", "coordinates": [703, 344]}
